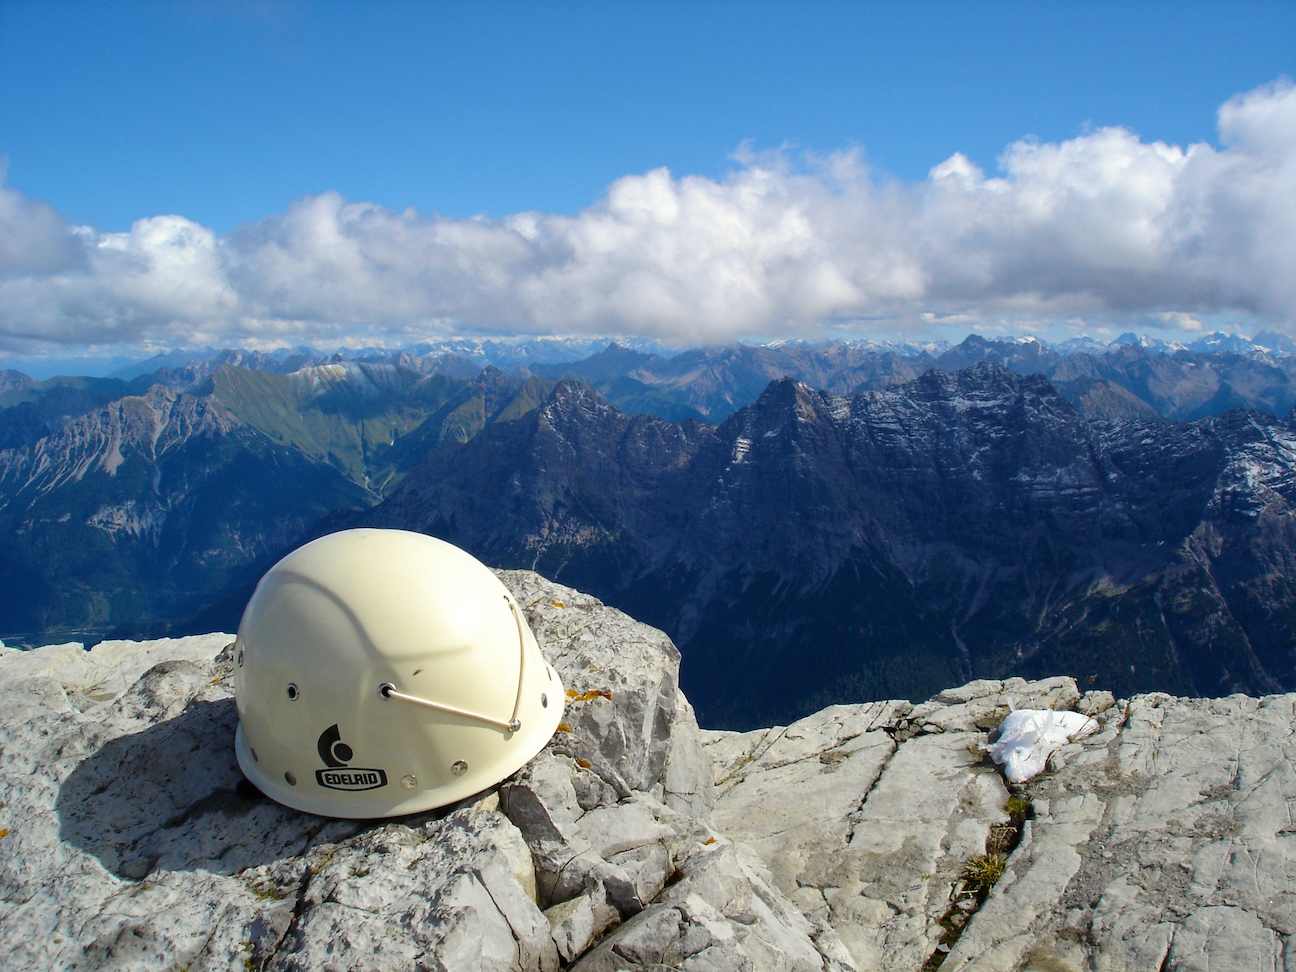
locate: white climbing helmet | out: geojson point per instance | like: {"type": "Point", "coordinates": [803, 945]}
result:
{"type": "Point", "coordinates": [380, 672]}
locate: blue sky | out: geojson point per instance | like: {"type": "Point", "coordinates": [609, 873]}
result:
{"type": "Point", "coordinates": [290, 139]}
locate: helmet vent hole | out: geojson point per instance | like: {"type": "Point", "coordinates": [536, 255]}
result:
{"type": "Point", "coordinates": [294, 693]}
{"type": "Point", "coordinates": [240, 658]}
{"type": "Point", "coordinates": [459, 767]}
{"type": "Point", "coordinates": [292, 780]}
{"type": "Point", "coordinates": [544, 701]}
{"type": "Point", "coordinates": [255, 757]}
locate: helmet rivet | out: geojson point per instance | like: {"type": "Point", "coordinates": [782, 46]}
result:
{"type": "Point", "coordinates": [544, 701]}
{"type": "Point", "coordinates": [292, 780]}
{"type": "Point", "coordinates": [294, 693]}
{"type": "Point", "coordinates": [459, 767]}
{"type": "Point", "coordinates": [409, 781]}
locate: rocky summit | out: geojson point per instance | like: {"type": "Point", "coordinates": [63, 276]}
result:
{"type": "Point", "coordinates": [871, 836]}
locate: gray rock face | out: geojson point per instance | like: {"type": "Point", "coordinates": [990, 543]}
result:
{"type": "Point", "coordinates": [1162, 842]}
{"type": "Point", "coordinates": [127, 842]}
{"type": "Point", "coordinates": [846, 841]}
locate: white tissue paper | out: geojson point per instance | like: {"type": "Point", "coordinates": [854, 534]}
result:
{"type": "Point", "coordinates": [1028, 737]}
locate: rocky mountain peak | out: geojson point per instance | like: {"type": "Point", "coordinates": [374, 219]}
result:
{"type": "Point", "coordinates": [785, 400]}
{"type": "Point", "coordinates": [987, 384]}
{"type": "Point", "coordinates": [863, 836]}
{"type": "Point", "coordinates": [102, 440]}
{"type": "Point", "coordinates": [615, 359]}
{"type": "Point", "coordinates": [573, 403]}
{"type": "Point", "coordinates": [10, 379]}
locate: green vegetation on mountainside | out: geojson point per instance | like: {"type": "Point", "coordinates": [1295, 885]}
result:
{"type": "Point", "coordinates": [492, 397]}
{"type": "Point", "coordinates": [346, 418]}
{"type": "Point", "coordinates": [371, 422]}
{"type": "Point", "coordinates": [132, 513]}
{"type": "Point", "coordinates": [152, 540]}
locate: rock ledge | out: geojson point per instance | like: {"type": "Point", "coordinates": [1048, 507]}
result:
{"type": "Point", "coordinates": [635, 840]}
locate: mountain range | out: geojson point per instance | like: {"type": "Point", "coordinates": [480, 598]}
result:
{"type": "Point", "coordinates": [814, 548]}
{"type": "Point", "coordinates": [811, 525]}
{"type": "Point", "coordinates": [145, 508]}
{"type": "Point", "coordinates": [1125, 380]}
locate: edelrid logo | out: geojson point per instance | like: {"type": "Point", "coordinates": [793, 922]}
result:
{"type": "Point", "coordinates": [351, 779]}
{"type": "Point", "coordinates": [339, 776]}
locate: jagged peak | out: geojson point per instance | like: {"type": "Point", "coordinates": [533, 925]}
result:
{"type": "Point", "coordinates": [791, 393]}
{"type": "Point", "coordinates": [1244, 424]}
{"type": "Point", "coordinates": [979, 378]}
{"type": "Point", "coordinates": [785, 401]}
{"type": "Point", "coordinates": [159, 393]}
{"type": "Point", "coordinates": [976, 342]}
{"type": "Point", "coordinates": [784, 387]}
{"type": "Point", "coordinates": [570, 397]}
{"type": "Point", "coordinates": [1274, 342]}
{"type": "Point", "coordinates": [986, 382]}
{"type": "Point", "coordinates": [328, 371]}
{"type": "Point", "coordinates": [492, 376]}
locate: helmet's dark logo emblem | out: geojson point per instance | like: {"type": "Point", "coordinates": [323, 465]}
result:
{"type": "Point", "coordinates": [339, 776]}
{"type": "Point", "coordinates": [332, 749]}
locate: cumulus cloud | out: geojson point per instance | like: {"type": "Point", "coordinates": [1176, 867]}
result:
{"type": "Point", "coordinates": [1103, 226]}
{"type": "Point", "coordinates": [34, 238]}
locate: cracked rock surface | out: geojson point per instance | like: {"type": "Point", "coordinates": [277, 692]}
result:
{"type": "Point", "coordinates": [127, 841]}
{"type": "Point", "coordinates": [1166, 841]}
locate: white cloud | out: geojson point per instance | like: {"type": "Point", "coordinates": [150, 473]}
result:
{"type": "Point", "coordinates": [1103, 228]}
{"type": "Point", "coordinates": [34, 238]}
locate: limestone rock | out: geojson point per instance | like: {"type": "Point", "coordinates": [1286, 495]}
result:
{"type": "Point", "coordinates": [625, 713]}
{"type": "Point", "coordinates": [128, 839]}
{"type": "Point", "coordinates": [722, 914]}
{"type": "Point", "coordinates": [867, 835]}
{"type": "Point", "coordinates": [858, 838]}
{"type": "Point", "coordinates": [109, 668]}
{"type": "Point", "coordinates": [1163, 842]}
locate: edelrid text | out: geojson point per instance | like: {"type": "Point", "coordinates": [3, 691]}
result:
{"type": "Point", "coordinates": [351, 779]}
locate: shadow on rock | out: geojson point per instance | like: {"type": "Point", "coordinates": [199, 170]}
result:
{"type": "Point", "coordinates": [172, 797]}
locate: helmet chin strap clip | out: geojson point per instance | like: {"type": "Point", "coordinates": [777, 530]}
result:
{"type": "Point", "coordinates": [388, 691]}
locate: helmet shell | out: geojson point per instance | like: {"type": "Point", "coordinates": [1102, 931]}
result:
{"type": "Point", "coordinates": [348, 655]}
